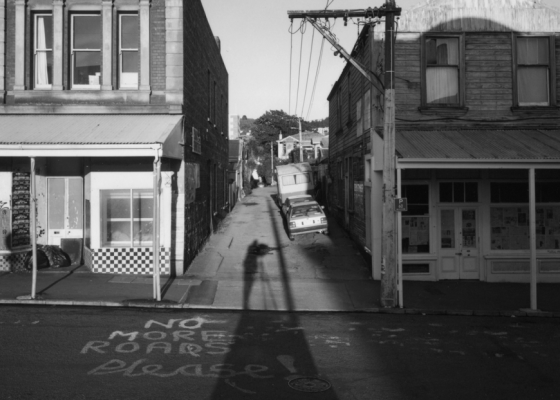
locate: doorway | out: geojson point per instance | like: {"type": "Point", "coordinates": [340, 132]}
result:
{"type": "Point", "coordinates": [458, 243]}
{"type": "Point", "coordinates": [64, 209]}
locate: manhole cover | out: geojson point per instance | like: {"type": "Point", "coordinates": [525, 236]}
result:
{"type": "Point", "coordinates": [309, 384]}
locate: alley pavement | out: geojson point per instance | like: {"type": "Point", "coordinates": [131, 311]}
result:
{"type": "Point", "coordinates": [249, 263]}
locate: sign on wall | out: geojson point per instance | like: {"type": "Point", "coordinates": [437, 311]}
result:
{"type": "Point", "coordinates": [192, 181]}
{"type": "Point", "coordinates": [21, 210]}
{"type": "Point", "coordinates": [196, 141]}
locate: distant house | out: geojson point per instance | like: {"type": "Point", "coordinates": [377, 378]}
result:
{"type": "Point", "coordinates": [314, 144]}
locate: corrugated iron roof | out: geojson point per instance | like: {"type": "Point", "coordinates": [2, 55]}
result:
{"type": "Point", "coordinates": [86, 129]}
{"type": "Point", "coordinates": [523, 144]}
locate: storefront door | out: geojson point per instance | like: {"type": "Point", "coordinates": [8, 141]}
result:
{"type": "Point", "coordinates": [458, 243]}
{"type": "Point", "coordinates": [65, 209]}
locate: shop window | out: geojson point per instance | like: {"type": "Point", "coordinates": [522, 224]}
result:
{"type": "Point", "coordinates": [509, 192]}
{"type": "Point", "coordinates": [458, 192]}
{"type": "Point", "coordinates": [547, 192]}
{"type": "Point", "coordinates": [129, 39]}
{"type": "Point", "coordinates": [534, 71]}
{"type": "Point", "coordinates": [86, 43]}
{"type": "Point", "coordinates": [127, 217]}
{"type": "Point", "coordinates": [416, 220]}
{"type": "Point", "coordinates": [423, 268]}
{"type": "Point", "coordinates": [42, 51]}
{"type": "Point", "coordinates": [442, 71]}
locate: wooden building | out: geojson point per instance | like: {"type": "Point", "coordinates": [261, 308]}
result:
{"type": "Point", "coordinates": [477, 141]}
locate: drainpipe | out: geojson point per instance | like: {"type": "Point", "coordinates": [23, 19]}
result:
{"type": "Point", "coordinates": [399, 243]}
{"type": "Point", "coordinates": [155, 226]}
{"type": "Point", "coordinates": [533, 238]}
{"type": "Point", "coordinates": [33, 226]}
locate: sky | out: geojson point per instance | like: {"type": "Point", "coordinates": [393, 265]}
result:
{"type": "Point", "coordinates": [257, 47]}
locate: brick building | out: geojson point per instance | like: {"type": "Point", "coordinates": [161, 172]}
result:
{"type": "Point", "coordinates": [114, 117]}
{"type": "Point", "coordinates": [477, 141]}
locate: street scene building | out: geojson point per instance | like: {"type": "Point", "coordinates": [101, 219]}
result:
{"type": "Point", "coordinates": [113, 133]}
{"type": "Point", "coordinates": [477, 150]}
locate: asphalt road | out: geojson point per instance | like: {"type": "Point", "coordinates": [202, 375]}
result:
{"type": "Point", "coordinates": [72, 353]}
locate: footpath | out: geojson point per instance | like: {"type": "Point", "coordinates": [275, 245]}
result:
{"type": "Point", "coordinates": [250, 264]}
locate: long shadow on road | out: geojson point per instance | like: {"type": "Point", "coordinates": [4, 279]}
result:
{"type": "Point", "coordinates": [272, 345]}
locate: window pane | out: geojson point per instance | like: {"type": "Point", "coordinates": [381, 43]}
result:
{"type": "Point", "coordinates": [509, 192]}
{"type": "Point", "coordinates": [444, 51]}
{"type": "Point", "coordinates": [447, 229]}
{"type": "Point", "coordinates": [302, 178]}
{"type": "Point", "coordinates": [57, 190]}
{"type": "Point", "coordinates": [458, 192]}
{"type": "Point", "coordinates": [87, 32]}
{"type": "Point", "coordinates": [118, 208]}
{"type": "Point", "coordinates": [471, 192]}
{"type": "Point", "coordinates": [532, 84]}
{"type": "Point", "coordinates": [142, 206]}
{"type": "Point", "coordinates": [43, 68]}
{"type": "Point", "coordinates": [142, 233]}
{"type": "Point", "coordinates": [442, 85]}
{"type": "Point", "coordinates": [130, 62]}
{"type": "Point", "coordinates": [129, 32]}
{"type": "Point", "coordinates": [532, 51]}
{"type": "Point", "coordinates": [548, 192]}
{"type": "Point", "coordinates": [87, 68]}
{"type": "Point", "coordinates": [118, 231]}
{"type": "Point", "coordinates": [416, 194]}
{"type": "Point", "coordinates": [44, 32]}
{"type": "Point", "coordinates": [446, 192]}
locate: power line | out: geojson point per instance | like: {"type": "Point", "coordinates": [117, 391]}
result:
{"type": "Point", "coordinates": [316, 77]}
{"type": "Point", "coordinates": [308, 69]}
{"type": "Point", "coordinates": [290, 85]}
{"type": "Point", "coordinates": [299, 69]}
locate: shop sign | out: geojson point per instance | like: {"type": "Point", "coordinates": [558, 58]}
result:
{"type": "Point", "coordinates": [401, 204]}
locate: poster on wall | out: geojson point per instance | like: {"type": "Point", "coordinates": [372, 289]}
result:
{"type": "Point", "coordinates": [192, 181]}
{"type": "Point", "coordinates": [5, 234]}
{"type": "Point", "coordinates": [20, 210]}
{"type": "Point", "coordinates": [196, 141]}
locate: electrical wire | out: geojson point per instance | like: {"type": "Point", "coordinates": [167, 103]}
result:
{"type": "Point", "coordinates": [299, 69]}
{"type": "Point", "coordinates": [308, 69]}
{"type": "Point", "coordinates": [316, 76]}
{"type": "Point", "coordinates": [290, 85]}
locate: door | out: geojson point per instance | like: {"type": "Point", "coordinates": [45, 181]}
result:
{"type": "Point", "coordinates": [64, 209]}
{"type": "Point", "coordinates": [458, 243]}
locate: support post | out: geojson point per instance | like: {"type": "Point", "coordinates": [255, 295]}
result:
{"type": "Point", "coordinates": [388, 266]}
{"type": "Point", "coordinates": [399, 243]}
{"type": "Point", "coordinates": [156, 235]}
{"type": "Point", "coordinates": [300, 143]}
{"type": "Point", "coordinates": [33, 229]}
{"type": "Point", "coordinates": [533, 238]}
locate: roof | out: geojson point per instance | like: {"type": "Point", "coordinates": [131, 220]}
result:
{"type": "Point", "coordinates": [235, 150]}
{"type": "Point", "coordinates": [90, 135]}
{"type": "Point", "coordinates": [511, 145]}
{"type": "Point", "coordinates": [313, 137]}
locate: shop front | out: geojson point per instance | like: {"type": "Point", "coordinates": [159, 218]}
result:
{"type": "Point", "coordinates": [482, 205]}
{"type": "Point", "coordinates": [109, 186]}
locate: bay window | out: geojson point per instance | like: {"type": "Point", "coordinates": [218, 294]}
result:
{"type": "Point", "coordinates": [129, 37]}
{"type": "Point", "coordinates": [86, 44]}
{"type": "Point", "coordinates": [127, 217]}
{"type": "Point", "coordinates": [42, 51]}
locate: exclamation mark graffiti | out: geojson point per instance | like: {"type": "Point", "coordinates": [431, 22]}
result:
{"type": "Point", "coordinates": [288, 363]}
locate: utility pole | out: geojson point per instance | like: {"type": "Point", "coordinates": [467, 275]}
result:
{"type": "Point", "coordinates": [388, 11]}
{"type": "Point", "coordinates": [271, 162]}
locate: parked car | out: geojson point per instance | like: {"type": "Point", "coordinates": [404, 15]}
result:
{"type": "Point", "coordinates": [290, 201]}
{"type": "Point", "coordinates": [306, 217]}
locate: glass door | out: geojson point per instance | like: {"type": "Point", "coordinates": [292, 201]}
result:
{"type": "Point", "coordinates": [458, 243]}
{"type": "Point", "coordinates": [64, 209]}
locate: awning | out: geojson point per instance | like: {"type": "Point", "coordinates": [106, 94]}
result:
{"type": "Point", "coordinates": [90, 135]}
{"type": "Point", "coordinates": [478, 148]}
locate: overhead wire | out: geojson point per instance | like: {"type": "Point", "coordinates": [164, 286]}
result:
{"type": "Point", "coordinates": [290, 83]}
{"type": "Point", "coordinates": [316, 76]}
{"type": "Point", "coordinates": [308, 69]}
{"type": "Point", "coordinates": [302, 31]}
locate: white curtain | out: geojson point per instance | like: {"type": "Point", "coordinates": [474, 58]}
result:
{"type": "Point", "coordinates": [41, 65]}
{"type": "Point", "coordinates": [442, 85]}
{"type": "Point", "coordinates": [532, 71]}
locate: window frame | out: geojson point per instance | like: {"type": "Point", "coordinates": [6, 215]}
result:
{"type": "Point", "coordinates": [551, 71]}
{"type": "Point", "coordinates": [460, 67]}
{"type": "Point", "coordinates": [105, 195]}
{"type": "Point", "coordinates": [129, 50]}
{"type": "Point", "coordinates": [72, 50]}
{"type": "Point", "coordinates": [35, 17]}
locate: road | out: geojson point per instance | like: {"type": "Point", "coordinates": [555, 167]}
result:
{"type": "Point", "coordinates": [93, 353]}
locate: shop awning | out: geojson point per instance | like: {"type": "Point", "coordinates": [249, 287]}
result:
{"type": "Point", "coordinates": [478, 148]}
{"type": "Point", "coordinates": [90, 135]}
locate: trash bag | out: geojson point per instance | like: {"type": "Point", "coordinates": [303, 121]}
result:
{"type": "Point", "coordinates": [42, 260]}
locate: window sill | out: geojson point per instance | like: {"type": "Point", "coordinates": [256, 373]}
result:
{"type": "Point", "coordinates": [535, 109]}
{"type": "Point", "coordinates": [444, 111]}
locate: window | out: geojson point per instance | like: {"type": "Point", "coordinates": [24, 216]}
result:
{"type": "Point", "coordinates": [443, 61]}
{"type": "Point", "coordinates": [416, 220]}
{"type": "Point", "coordinates": [43, 56]}
{"type": "Point", "coordinates": [533, 71]}
{"type": "Point", "coordinates": [86, 43]}
{"type": "Point", "coordinates": [127, 217]}
{"type": "Point", "coordinates": [359, 125]}
{"type": "Point", "coordinates": [349, 92]}
{"type": "Point", "coordinates": [129, 37]}
{"type": "Point", "coordinates": [458, 192]}
{"type": "Point", "coordinates": [366, 114]}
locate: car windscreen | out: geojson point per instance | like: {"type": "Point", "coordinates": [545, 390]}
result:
{"type": "Point", "coordinates": [299, 211]}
